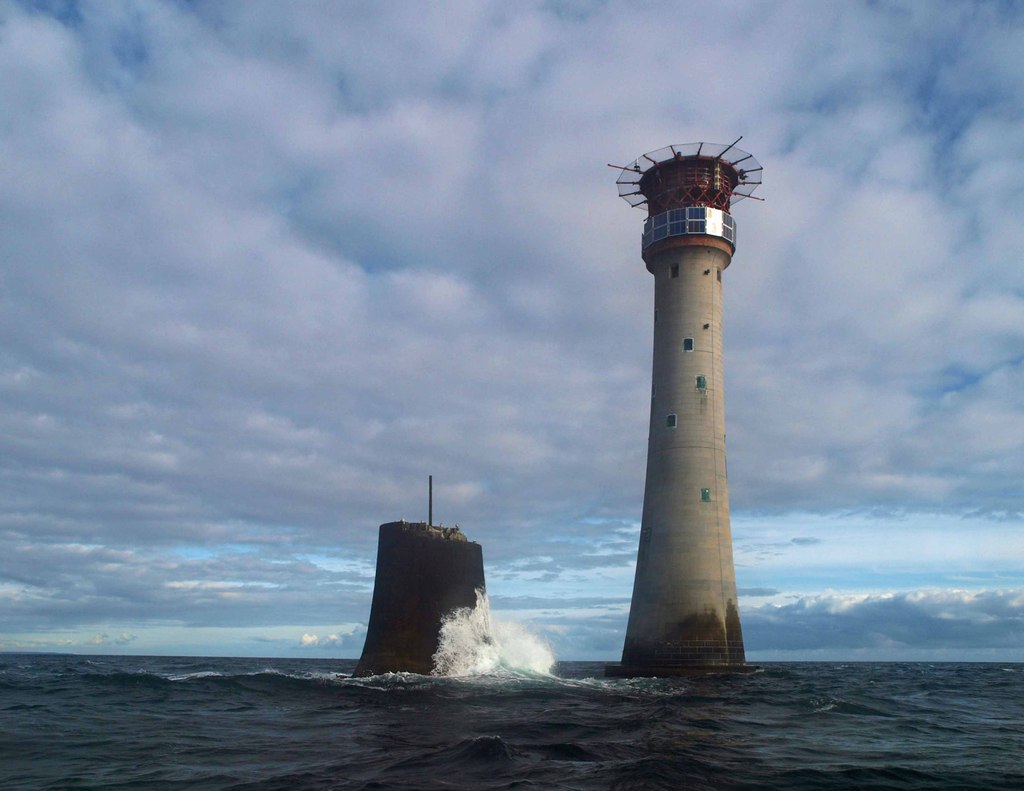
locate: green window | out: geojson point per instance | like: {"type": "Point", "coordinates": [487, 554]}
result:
{"type": "Point", "coordinates": [705, 495]}
{"type": "Point", "coordinates": [702, 382]}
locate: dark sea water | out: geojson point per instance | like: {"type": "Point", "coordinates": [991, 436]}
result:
{"type": "Point", "coordinates": [77, 722]}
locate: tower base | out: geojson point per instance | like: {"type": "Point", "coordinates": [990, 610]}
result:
{"type": "Point", "coordinates": [618, 670]}
{"type": "Point", "coordinates": [423, 574]}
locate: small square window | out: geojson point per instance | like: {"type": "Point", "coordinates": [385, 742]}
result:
{"type": "Point", "coordinates": [705, 495]}
{"type": "Point", "coordinates": [702, 382]}
{"type": "Point", "coordinates": [675, 270]}
{"type": "Point", "coordinates": [670, 420]}
{"type": "Point", "coordinates": [687, 344]}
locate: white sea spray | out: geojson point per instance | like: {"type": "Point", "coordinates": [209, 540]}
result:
{"type": "Point", "coordinates": [473, 643]}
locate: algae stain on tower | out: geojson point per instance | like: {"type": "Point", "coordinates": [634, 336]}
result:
{"type": "Point", "coordinates": [684, 617]}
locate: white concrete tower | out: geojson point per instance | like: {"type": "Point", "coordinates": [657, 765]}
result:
{"type": "Point", "coordinates": [684, 618]}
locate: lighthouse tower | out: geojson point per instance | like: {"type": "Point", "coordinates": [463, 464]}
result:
{"type": "Point", "coordinates": [684, 619]}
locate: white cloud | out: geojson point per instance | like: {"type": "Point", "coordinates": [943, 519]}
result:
{"type": "Point", "coordinates": [945, 620]}
{"type": "Point", "coordinates": [267, 268]}
{"type": "Point", "coordinates": [335, 641]}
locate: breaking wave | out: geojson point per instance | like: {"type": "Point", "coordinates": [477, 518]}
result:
{"type": "Point", "coordinates": [472, 643]}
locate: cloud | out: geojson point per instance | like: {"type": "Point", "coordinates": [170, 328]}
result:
{"type": "Point", "coordinates": [949, 619]}
{"type": "Point", "coordinates": [352, 639]}
{"type": "Point", "coordinates": [267, 268]}
{"type": "Point", "coordinates": [67, 585]}
{"type": "Point", "coordinates": [758, 592]}
{"type": "Point", "coordinates": [327, 641]}
{"type": "Point", "coordinates": [100, 639]}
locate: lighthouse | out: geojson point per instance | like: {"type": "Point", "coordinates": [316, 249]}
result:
{"type": "Point", "coordinates": [684, 618]}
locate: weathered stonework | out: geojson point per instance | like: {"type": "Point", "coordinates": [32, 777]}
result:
{"type": "Point", "coordinates": [423, 574]}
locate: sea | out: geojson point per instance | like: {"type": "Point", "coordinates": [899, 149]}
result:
{"type": "Point", "coordinates": [506, 716]}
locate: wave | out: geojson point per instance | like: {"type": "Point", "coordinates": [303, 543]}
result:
{"type": "Point", "coordinates": [195, 675]}
{"type": "Point", "coordinates": [473, 643]}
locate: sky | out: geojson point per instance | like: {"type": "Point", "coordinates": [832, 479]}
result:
{"type": "Point", "coordinates": [264, 267]}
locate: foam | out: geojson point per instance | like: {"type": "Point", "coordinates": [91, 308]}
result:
{"type": "Point", "coordinates": [473, 643]}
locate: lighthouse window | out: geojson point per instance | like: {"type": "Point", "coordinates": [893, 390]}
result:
{"type": "Point", "coordinates": [695, 213]}
{"type": "Point", "coordinates": [718, 272]}
{"type": "Point", "coordinates": [702, 382]}
{"type": "Point", "coordinates": [670, 420]}
{"type": "Point", "coordinates": [675, 270]}
{"type": "Point", "coordinates": [687, 344]}
{"type": "Point", "coordinates": [730, 227]}
{"type": "Point", "coordinates": [695, 226]}
{"type": "Point", "coordinates": [705, 495]}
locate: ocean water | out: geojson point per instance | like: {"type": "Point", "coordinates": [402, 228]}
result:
{"type": "Point", "coordinates": [101, 722]}
{"type": "Point", "coordinates": [504, 715]}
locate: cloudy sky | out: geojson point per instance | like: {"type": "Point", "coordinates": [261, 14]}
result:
{"type": "Point", "coordinates": [266, 266]}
